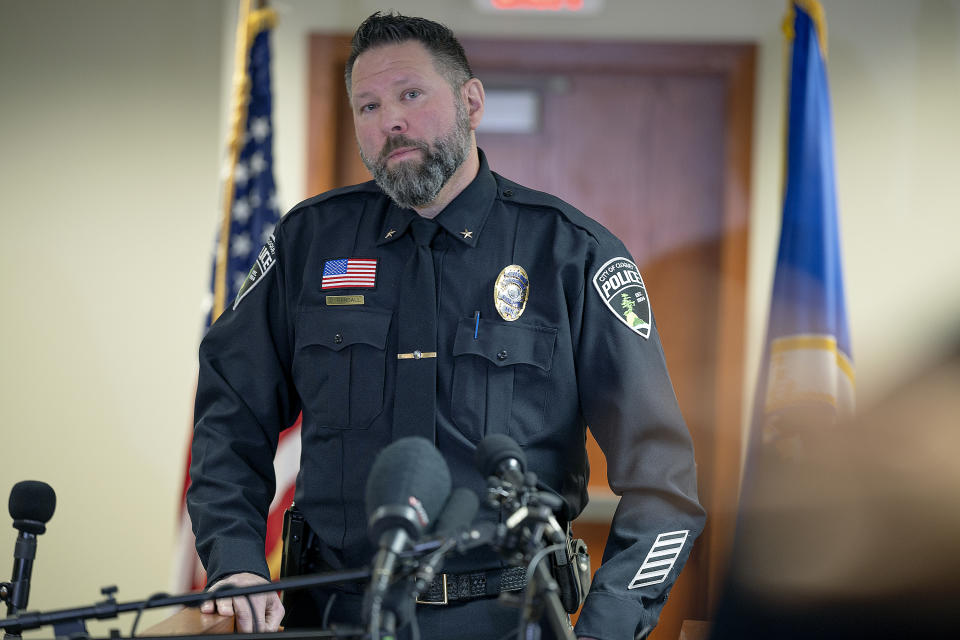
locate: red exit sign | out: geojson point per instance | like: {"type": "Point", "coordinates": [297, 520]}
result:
{"type": "Point", "coordinates": [559, 6]}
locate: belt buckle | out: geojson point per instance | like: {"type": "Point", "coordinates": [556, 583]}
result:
{"type": "Point", "coordinates": [445, 600]}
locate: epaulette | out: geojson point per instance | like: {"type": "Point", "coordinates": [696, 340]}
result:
{"type": "Point", "coordinates": [533, 198]}
{"type": "Point", "coordinates": [363, 187]}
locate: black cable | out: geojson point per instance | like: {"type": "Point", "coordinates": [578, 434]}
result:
{"type": "Point", "coordinates": [143, 607]}
{"type": "Point", "coordinates": [136, 619]}
{"type": "Point", "coordinates": [253, 613]}
{"type": "Point", "coordinates": [326, 611]}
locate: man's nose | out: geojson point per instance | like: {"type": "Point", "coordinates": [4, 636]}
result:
{"type": "Point", "coordinates": [394, 121]}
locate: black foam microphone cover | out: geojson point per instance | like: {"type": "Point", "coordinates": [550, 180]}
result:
{"type": "Point", "coordinates": [459, 511]}
{"type": "Point", "coordinates": [494, 450]}
{"type": "Point", "coordinates": [31, 505]}
{"type": "Point", "coordinates": [408, 473]}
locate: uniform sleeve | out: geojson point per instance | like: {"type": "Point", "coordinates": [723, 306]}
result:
{"type": "Point", "coordinates": [244, 399]}
{"type": "Point", "coordinates": [629, 403]}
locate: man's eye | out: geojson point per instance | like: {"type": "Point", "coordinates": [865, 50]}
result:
{"type": "Point", "coordinates": [368, 107]}
{"type": "Point", "coordinates": [412, 94]}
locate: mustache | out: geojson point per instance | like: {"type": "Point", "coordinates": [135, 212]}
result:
{"type": "Point", "coordinates": [399, 142]}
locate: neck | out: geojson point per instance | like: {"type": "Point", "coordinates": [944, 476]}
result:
{"type": "Point", "coordinates": [459, 181]}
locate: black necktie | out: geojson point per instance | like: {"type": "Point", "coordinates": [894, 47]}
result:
{"type": "Point", "coordinates": [415, 402]}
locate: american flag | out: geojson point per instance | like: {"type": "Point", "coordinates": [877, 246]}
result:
{"type": "Point", "coordinates": [349, 273]}
{"type": "Point", "coordinates": [249, 216]}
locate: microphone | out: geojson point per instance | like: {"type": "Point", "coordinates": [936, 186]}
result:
{"type": "Point", "coordinates": [31, 506]}
{"type": "Point", "coordinates": [458, 512]}
{"type": "Point", "coordinates": [501, 459]}
{"type": "Point", "coordinates": [450, 532]}
{"type": "Point", "coordinates": [500, 455]}
{"type": "Point", "coordinates": [407, 487]}
{"type": "Point", "coordinates": [529, 525]}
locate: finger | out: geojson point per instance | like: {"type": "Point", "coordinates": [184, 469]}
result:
{"type": "Point", "coordinates": [207, 607]}
{"type": "Point", "coordinates": [244, 620]}
{"type": "Point", "coordinates": [259, 608]}
{"type": "Point", "coordinates": [225, 606]}
{"type": "Point", "coordinates": [274, 612]}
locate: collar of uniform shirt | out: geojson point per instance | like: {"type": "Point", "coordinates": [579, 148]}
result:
{"type": "Point", "coordinates": [467, 212]}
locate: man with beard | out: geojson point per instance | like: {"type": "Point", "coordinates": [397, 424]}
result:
{"type": "Point", "coordinates": [444, 301]}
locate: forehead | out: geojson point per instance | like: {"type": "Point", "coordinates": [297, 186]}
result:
{"type": "Point", "coordinates": [393, 63]}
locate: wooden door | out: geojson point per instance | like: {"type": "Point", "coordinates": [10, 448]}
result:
{"type": "Point", "coordinates": [653, 141]}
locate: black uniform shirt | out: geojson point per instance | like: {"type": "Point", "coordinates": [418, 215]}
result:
{"type": "Point", "coordinates": [584, 351]}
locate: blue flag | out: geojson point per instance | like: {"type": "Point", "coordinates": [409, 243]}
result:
{"type": "Point", "coordinates": [807, 377]}
{"type": "Point", "coordinates": [250, 211]}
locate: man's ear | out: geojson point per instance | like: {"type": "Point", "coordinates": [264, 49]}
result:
{"type": "Point", "coordinates": [473, 97]}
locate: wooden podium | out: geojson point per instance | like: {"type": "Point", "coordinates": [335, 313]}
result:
{"type": "Point", "coordinates": [190, 621]}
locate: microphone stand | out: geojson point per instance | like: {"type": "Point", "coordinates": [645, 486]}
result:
{"type": "Point", "coordinates": [544, 602]}
{"type": "Point", "coordinates": [70, 622]}
{"type": "Point", "coordinates": [523, 537]}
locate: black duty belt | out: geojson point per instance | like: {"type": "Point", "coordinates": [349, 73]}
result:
{"type": "Point", "coordinates": [450, 587]}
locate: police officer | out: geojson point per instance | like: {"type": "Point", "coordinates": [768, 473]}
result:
{"type": "Point", "coordinates": [445, 301]}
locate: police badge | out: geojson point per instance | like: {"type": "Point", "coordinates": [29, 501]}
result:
{"type": "Point", "coordinates": [620, 286]}
{"type": "Point", "coordinates": [510, 292]}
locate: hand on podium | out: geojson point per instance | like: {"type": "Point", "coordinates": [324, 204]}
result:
{"type": "Point", "coordinates": [266, 606]}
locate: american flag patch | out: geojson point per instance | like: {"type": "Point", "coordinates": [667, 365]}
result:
{"type": "Point", "coordinates": [663, 554]}
{"type": "Point", "coordinates": [349, 273]}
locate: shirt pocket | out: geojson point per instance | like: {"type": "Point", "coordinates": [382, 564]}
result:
{"type": "Point", "coordinates": [339, 365]}
{"type": "Point", "coordinates": [500, 378]}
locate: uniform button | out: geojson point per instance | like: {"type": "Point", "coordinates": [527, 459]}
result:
{"type": "Point", "coordinates": [502, 355]}
{"type": "Point", "coordinates": [338, 338]}
{"type": "Point", "coordinates": [508, 193]}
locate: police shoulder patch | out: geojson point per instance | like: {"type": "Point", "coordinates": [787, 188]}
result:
{"type": "Point", "coordinates": [621, 288]}
{"type": "Point", "coordinates": [264, 262]}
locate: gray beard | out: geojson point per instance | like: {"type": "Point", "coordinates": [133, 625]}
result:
{"type": "Point", "coordinates": [413, 185]}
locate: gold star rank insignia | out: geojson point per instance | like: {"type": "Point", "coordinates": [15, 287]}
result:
{"type": "Point", "coordinates": [390, 233]}
{"type": "Point", "coordinates": [466, 233]}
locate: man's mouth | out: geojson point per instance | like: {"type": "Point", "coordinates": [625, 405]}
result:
{"type": "Point", "coordinates": [401, 153]}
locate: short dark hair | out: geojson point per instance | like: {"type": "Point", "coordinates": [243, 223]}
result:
{"type": "Point", "coordinates": [392, 28]}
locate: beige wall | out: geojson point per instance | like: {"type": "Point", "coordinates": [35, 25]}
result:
{"type": "Point", "coordinates": [109, 156]}
{"type": "Point", "coordinates": [112, 116]}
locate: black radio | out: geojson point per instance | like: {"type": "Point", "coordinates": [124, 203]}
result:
{"type": "Point", "coordinates": [571, 569]}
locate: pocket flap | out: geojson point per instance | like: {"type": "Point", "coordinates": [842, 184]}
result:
{"type": "Point", "coordinates": [337, 329]}
{"type": "Point", "coordinates": [506, 344]}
